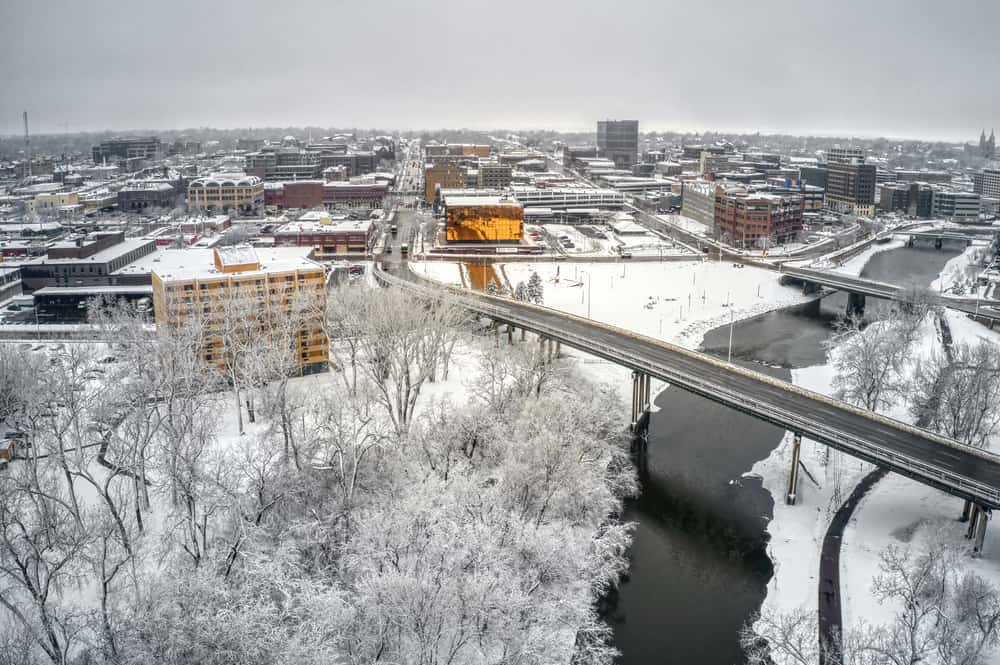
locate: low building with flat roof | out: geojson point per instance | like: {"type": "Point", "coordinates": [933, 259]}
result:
{"type": "Point", "coordinates": [91, 261]}
{"type": "Point", "coordinates": [329, 235]}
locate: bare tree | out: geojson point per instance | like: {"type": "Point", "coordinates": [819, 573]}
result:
{"type": "Point", "coordinates": [959, 396]}
{"type": "Point", "coordinates": [867, 363]}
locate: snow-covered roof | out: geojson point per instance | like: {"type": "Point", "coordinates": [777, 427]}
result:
{"type": "Point", "coordinates": [197, 263]}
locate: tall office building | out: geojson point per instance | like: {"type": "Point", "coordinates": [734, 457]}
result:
{"type": "Point", "coordinates": [618, 140]}
{"type": "Point", "coordinates": [850, 188]}
{"type": "Point", "coordinates": [987, 183]}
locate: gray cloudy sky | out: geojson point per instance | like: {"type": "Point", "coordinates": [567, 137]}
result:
{"type": "Point", "coordinates": [913, 68]}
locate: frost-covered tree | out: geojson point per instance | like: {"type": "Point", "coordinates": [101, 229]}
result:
{"type": "Point", "coordinates": [946, 616]}
{"type": "Point", "coordinates": [536, 292]}
{"type": "Point", "coordinates": [867, 362]}
{"type": "Point", "coordinates": [958, 394]}
{"type": "Point", "coordinates": [521, 292]}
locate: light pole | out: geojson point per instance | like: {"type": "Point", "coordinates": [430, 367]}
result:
{"type": "Point", "coordinates": [589, 280]}
{"type": "Point", "coordinates": [732, 322]}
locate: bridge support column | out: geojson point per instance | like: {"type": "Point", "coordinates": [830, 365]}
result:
{"type": "Point", "coordinates": [793, 473]}
{"type": "Point", "coordinates": [558, 348]}
{"type": "Point", "coordinates": [548, 350]}
{"type": "Point", "coordinates": [510, 334]}
{"type": "Point", "coordinates": [938, 242]}
{"type": "Point", "coordinates": [973, 518]}
{"type": "Point", "coordinates": [522, 334]}
{"type": "Point", "coordinates": [855, 304]}
{"type": "Point", "coordinates": [977, 545]}
{"type": "Point", "coordinates": [640, 396]}
{"type": "Point", "coordinates": [640, 410]}
{"type": "Point", "coordinates": [966, 509]}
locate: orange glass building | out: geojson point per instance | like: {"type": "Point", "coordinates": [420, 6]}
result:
{"type": "Point", "coordinates": [486, 219]}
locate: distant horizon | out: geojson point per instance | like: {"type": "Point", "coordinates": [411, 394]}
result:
{"type": "Point", "coordinates": [973, 137]}
{"type": "Point", "coordinates": [855, 69]}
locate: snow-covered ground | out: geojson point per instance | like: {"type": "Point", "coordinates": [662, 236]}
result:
{"type": "Point", "coordinates": [675, 302]}
{"type": "Point", "coordinates": [897, 510]}
{"type": "Point", "coordinates": [679, 303]}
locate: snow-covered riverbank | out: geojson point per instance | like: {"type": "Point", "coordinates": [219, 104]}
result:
{"type": "Point", "coordinates": [897, 511]}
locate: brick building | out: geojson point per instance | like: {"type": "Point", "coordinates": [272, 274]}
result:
{"type": "Point", "coordinates": [751, 219]}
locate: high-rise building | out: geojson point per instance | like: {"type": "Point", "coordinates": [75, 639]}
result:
{"type": "Point", "coordinates": [850, 188]}
{"type": "Point", "coordinates": [848, 155]}
{"type": "Point", "coordinates": [618, 140]}
{"type": "Point", "coordinates": [987, 183]}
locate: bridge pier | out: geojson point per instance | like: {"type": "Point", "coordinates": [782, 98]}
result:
{"type": "Point", "coordinates": [793, 473]}
{"type": "Point", "coordinates": [977, 545]}
{"type": "Point", "coordinates": [640, 403]}
{"type": "Point", "coordinates": [510, 334]}
{"type": "Point", "coordinates": [938, 243]}
{"type": "Point", "coordinates": [855, 304]}
{"type": "Point", "coordinates": [977, 527]}
{"type": "Point", "coordinates": [809, 288]}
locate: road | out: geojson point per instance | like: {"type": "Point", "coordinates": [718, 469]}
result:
{"type": "Point", "coordinates": [919, 454]}
{"type": "Point", "coordinates": [978, 307]}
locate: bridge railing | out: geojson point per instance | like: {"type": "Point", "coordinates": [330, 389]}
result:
{"type": "Point", "coordinates": [496, 308]}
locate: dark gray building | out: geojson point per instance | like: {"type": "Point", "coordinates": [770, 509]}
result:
{"type": "Point", "coordinates": [147, 147]}
{"type": "Point", "coordinates": [813, 175]}
{"type": "Point", "coordinates": [618, 140]}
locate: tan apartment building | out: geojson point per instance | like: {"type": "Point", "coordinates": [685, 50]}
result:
{"type": "Point", "coordinates": [226, 192]}
{"type": "Point", "coordinates": [268, 291]}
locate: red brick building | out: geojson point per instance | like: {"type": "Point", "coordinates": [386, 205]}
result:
{"type": "Point", "coordinates": [302, 194]}
{"type": "Point", "coordinates": [746, 219]}
{"type": "Point", "coordinates": [330, 235]}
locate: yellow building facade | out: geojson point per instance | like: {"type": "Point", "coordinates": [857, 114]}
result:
{"type": "Point", "coordinates": [236, 296]}
{"type": "Point", "coordinates": [445, 176]}
{"type": "Point", "coordinates": [489, 220]}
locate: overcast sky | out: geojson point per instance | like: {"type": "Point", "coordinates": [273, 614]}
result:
{"type": "Point", "coordinates": [901, 68]}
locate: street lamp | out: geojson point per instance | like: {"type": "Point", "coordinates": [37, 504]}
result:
{"type": "Point", "coordinates": [589, 282]}
{"type": "Point", "coordinates": [732, 322]}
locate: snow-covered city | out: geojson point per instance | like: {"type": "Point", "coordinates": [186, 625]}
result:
{"type": "Point", "coordinates": [316, 353]}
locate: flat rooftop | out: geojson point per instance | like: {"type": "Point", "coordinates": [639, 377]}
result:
{"type": "Point", "coordinates": [336, 224]}
{"type": "Point", "coordinates": [474, 201]}
{"type": "Point", "coordinates": [194, 263]}
{"type": "Point", "coordinates": [143, 289]}
{"type": "Point", "coordinates": [104, 255]}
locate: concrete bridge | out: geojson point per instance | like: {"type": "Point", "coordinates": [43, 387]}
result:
{"type": "Point", "coordinates": [937, 461]}
{"type": "Point", "coordinates": [859, 288]}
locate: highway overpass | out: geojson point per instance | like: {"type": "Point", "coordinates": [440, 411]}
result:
{"type": "Point", "coordinates": [929, 458]}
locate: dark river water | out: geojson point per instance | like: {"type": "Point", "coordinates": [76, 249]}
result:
{"type": "Point", "coordinates": [699, 564]}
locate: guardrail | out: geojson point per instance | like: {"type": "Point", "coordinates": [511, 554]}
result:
{"type": "Point", "coordinates": [957, 483]}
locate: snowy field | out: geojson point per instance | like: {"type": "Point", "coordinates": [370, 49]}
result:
{"type": "Point", "coordinates": [675, 302]}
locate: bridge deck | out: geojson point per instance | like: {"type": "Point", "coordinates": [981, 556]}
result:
{"type": "Point", "coordinates": [919, 454]}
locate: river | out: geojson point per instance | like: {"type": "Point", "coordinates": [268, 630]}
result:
{"type": "Point", "coordinates": [699, 564]}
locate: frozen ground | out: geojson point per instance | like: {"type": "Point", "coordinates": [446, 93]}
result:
{"type": "Point", "coordinates": [676, 302]}
{"type": "Point", "coordinates": [679, 303]}
{"type": "Point", "coordinates": [897, 511]}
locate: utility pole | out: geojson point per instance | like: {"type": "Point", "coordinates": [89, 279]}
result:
{"type": "Point", "coordinates": [27, 142]}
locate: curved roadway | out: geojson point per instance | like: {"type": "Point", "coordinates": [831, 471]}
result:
{"type": "Point", "coordinates": [919, 454]}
